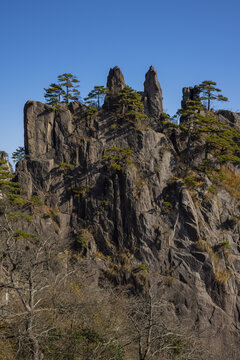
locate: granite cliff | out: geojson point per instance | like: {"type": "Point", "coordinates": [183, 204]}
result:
{"type": "Point", "coordinates": [144, 214]}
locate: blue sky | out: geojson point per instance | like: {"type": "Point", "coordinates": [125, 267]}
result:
{"type": "Point", "coordinates": [186, 41]}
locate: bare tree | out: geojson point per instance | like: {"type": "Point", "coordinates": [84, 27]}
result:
{"type": "Point", "coordinates": [26, 277]}
{"type": "Point", "coordinates": [156, 337]}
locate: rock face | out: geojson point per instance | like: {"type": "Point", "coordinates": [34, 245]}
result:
{"type": "Point", "coordinates": [153, 94]}
{"type": "Point", "coordinates": [140, 203]}
{"type": "Point", "coordinates": [115, 83]}
{"type": "Point", "coordinates": [232, 117]}
{"type": "Point", "coordinates": [189, 93]}
{"type": "Point", "coordinates": [4, 157]}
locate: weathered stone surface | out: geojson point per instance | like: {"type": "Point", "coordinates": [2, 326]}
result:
{"type": "Point", "coordinates": [152, 94]}
{"type": "Point", "coordinates": [232, 117]}
{"type": "Point", "coordinates": [4, 156]}
{"type": "Point", "coordinates": [190, 93]}
{"type": "Point", "coordinates": [142, 208]}
{"type": "Point", "coordinates": [115, 81]}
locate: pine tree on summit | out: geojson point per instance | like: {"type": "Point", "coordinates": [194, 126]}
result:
{"type": "Point", "coordinates": [53, 94]}
{"type": "Point", "coordinates": [65, 90]}
{"type": "Point", "coordinates": [71, 92]}
{"type": "Point", "coordinates": [132, 108]}
{"type": "Point", "coordinates": [98, 93]}
{"type": "Point", "coordinates": [209, 92]}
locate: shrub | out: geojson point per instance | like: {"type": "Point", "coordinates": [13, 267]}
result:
{"type": "Point", "coordinates": [66, 166]}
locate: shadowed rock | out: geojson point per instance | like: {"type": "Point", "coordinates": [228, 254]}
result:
{"type": "Point", "coordinates": [115, 83]}
{"type": "Point", "coordinates": [190, 93]}
{"type": "Point", "coordinates": [152, 94]}
{"type": "Point", "coordinates": [232, 117]}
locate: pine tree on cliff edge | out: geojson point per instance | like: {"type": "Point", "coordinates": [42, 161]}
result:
{"type": "Point", "coordinates": [209, 92]}
{"type": "Point", "coordinates": [64, 91]}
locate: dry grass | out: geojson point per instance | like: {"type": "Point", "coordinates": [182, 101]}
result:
{"type": "Point", "coordinates": [229, 180]}
{"type": "Point", "coordinates": [202, 245]}
{"type": "Point", "coordinates": [6, 350]}
{"type": "Point", "coordinates": [222, 276]}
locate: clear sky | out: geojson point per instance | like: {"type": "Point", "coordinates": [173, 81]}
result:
{"type": "Point", "coordinates": [187, 41]}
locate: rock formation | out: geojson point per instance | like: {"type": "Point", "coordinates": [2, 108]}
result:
{"type": "Point", "coordinates": [115, 83]}
{"type": "Point", "coordinates": [183, 228]}
{"type": "Point", "coordinates": [232, 117]}
{"type": "Point", "coordinates": [152, 94]}
{"type": "Point", "coordinates": [190, 93]}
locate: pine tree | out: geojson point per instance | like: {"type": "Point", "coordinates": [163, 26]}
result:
{"type": "Point", "coordinates": [189, 117]}
{"type": "Point", "coordinates": [209, 92]}
{"type": "Point", "coordinates": [220, 138]}
{"type": "Point", "coordinates": [69, 82]}
{"type": "Point", "coordinates": [97, 93]}
{"type": "Point", "coordinates": [132, 107]}
{"type": "Point", "coordinates": [18, 154]}
{"type": "Point", "coordinates": [53, 94]}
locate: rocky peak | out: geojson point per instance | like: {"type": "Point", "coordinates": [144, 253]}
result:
{"type": "Point", "coordinates": [3, 155]}
{"type": "Point", "coordinates": [126, 190]}
{"type": "Point", "coordinates": [115, 81]}
{"type": "Point", "coordinates": [152, 94]}
{"type": "Point", "coordinates": [190, 93]}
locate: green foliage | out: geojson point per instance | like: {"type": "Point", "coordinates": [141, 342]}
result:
{"type": "Point", "coordinates": [210, 92]}
{"type": "Point", "coordinates": [222, 245]}
{"type": "Point", "coordinates": [21, 234]}
{"type": "Point", "coordinates": [82, 343]}
{"type": "Point", "coordinates": [132, 109]}
{"type": "Point", "coordinates": [80, 190]}
{"type": "Point", "coordinates": [92, 110]}
{"type": "Point", "coordinates": [80, 239]}
{"type": "Point", "coordinates": [18, 154]}
{"type": "Point", "coordinates": [115, 166]}
{"type": "Point", "coordinates": [70, 84]}
{"type": "Point", "coordinates": [53, 94]}
{"type": "Point", "coordinates": [35, 200]}
{"type": "Point", "coordinates": [143, 267]}
{"type": "Point", "coordinates": [169, 280]}
{"type": "Point", "coordinates": [96, 96]}
{"type": "Point", "coordinates": [166, 207]}
{"type": "Point", "coordinates": [62, 92]}
{"type": "Point", "coordinates": [9, 189]}
{"type": "Point", "coordinates": [66, 166]}
{"type": "Point", "coordinates": [211, 189]}
{"type": "Point", "coordinates": [165, 115]}
{"type": "Point", "coordinates": [191, 108]}
{"type": "Point", "coordinates": [221, 139]}
{"type": "Point", "coordinates": [16, 216]}
{"type": "Point", "coordinates": [170, 124]}
{"type": "Point", "coordinates": [190, 181]}
{"type": "Point", "coordinates": [118, 158]}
